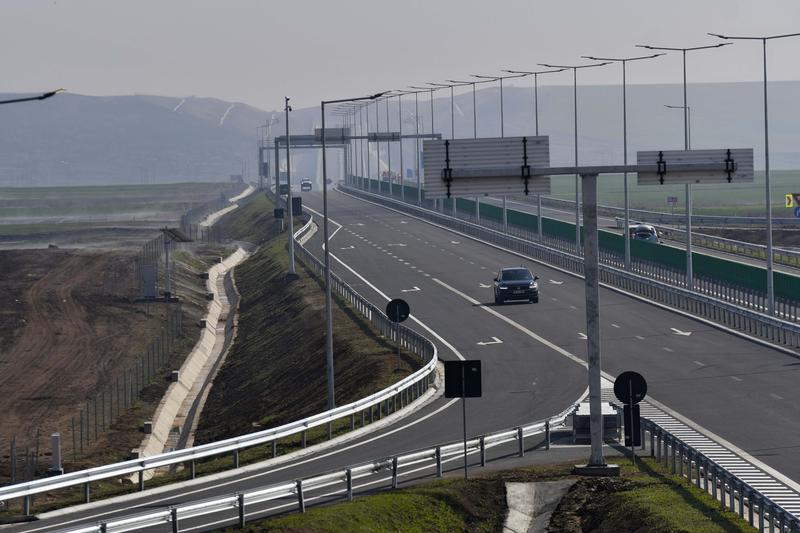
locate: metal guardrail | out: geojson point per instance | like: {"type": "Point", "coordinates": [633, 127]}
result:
{"type": "Point", "coordinates": [339, 483]}
{"type": "Point", "coordinates": [656, 217]}
{"type": "Point", "coordinates": [685, 460]}
{"type": "Point", "coordinates": [702, 305]}
{"type": "Point", "coordinates": [387, 400]}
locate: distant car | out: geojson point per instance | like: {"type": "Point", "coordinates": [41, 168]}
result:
{"type": "Point", "coordinates": [516, 283]}
{"type": "Point", "coordinates": [305, 185]}
{"type": "Point", "coordinates": [644, 232]}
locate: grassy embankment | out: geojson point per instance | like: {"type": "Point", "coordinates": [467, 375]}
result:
{"type": "Point", "coordinates": [642, 499]}
{"type": "Point", "coordinates": [275, 372]}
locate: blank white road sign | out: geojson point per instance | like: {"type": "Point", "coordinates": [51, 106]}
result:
{"type": "Point", "coordinates": [481, 167]}
{"type": "Point", "coordinates": [673, 167]}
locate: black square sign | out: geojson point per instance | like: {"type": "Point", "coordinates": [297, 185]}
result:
{"type": "Point", "coordinates": [462, 379]}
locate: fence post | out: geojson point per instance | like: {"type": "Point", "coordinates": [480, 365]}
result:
{"type": "Point", "coordinates": [438, 461]}
{"type": "Point", "coordinates": [521, 439]}
{"type": "Point", "coordinates": [86, 494]}
{"type": "Point", "coordinates": [191, 469]}
{"type": "Point", "coordinates": [236, 458]}
{"type": "Point", "coordinates": [394, 472]}
{"type": "Point", "coordinates": [483, 450]}
{"type": "Point", "coordinates": [301, 504]}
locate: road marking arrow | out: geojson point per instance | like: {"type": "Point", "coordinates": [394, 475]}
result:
{"type": "Point", "coordinates": [554, 282]}
{"type": "Point", "coordinates": [582, 336]}
{"type": "Point", "coordinates": [347, 247]}
{"type": "Point", "coordinates": [676, 331]}
{"type": "Point", "coordinates": [484, 286]}
{"type": "Point", "coordinates": [494, 340]}
{"type": "Point", "coordinates": [411, 290]}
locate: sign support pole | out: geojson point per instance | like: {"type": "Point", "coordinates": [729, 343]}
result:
{"type": "Point", "coordinates": [630, 405]}
{"type": "Point", "coordinates": [464, 414]}
{"type": "Point", "coordinates": [590, 258]}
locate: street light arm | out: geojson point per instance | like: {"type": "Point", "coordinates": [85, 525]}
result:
{"type": "Point", "coordinates": [31, 98]}
{"type": "Point", "coordinates": [564, 67]}
{"type": "Point", "coordinates": [531, 73]}
{"type": "Point", "coordinates": [671, 49]}
{"type": "Point", "coordinates": [371, 97]}
{"type": "Point", "coordinates": [621, 59]}
{"type": "Point", "coordinates": [749, 38]}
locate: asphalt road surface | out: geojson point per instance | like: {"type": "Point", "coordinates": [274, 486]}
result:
{"type": "Point", "coordinates": [531, 353]}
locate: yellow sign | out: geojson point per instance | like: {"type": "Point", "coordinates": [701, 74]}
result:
{"type": "Point", "coordinates": [789, 200]}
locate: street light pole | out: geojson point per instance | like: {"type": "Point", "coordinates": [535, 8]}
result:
{"type": "Point", "coordinates": [575, 116]}
{"type": "Point", "coordinates": [328, 303]}
{"type": "Point", "coordinates": [624, 61]}
{"type": "Point", "coordinates": [688, 186]}
{"type": "Point", "coordinates": [286, 109]}
{"type": "Point", "coordinates": [767, 188]}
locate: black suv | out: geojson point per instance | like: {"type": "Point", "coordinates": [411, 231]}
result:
{"type": "Point", "coordinates": [516, 283]}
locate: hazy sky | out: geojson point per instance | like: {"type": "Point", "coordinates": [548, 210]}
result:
{"type": "Point", "coordinates": [257, 51]}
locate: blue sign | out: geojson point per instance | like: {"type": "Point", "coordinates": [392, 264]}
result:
{"type": "Point", "coordinates": [797, 212]}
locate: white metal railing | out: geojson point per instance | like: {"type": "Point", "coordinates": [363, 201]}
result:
{"type": "Point", "coordinates": [706, 306]}
{"type": "Point", "coordinates": [387, 400]}
{"type": "Point", "coordinates": [339, 483]}
{"type": "Point", "coordinates": [686, 461]}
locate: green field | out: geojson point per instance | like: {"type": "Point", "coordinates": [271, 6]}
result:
{"type": "Point", "coordinates": [737, 199]}
{"type": "Point", "coordinates": [39, 206]}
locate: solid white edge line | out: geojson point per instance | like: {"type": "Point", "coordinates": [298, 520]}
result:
{"type": "Point", "coordinates": [385, 297]}
{"type": "Point", "coordinates": [697, 427]}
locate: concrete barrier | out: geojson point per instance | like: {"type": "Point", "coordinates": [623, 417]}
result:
{"type": "Point", "coordinates": [195, 367]}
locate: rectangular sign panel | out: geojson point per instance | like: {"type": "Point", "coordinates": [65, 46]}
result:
{"type": "Point", "coordinates": [480, 167]}
{"type": "Point", "coordinates": [384, 136]}
{"type": "Point", "coordinates": [674, 167]}
{"type": "Point", "coordinates": [462, 379]}
{"type": "Point", "coordinates": [332, 135]}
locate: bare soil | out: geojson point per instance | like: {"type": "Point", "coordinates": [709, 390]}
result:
{"type": "Point", "coordinates": [69, 326]}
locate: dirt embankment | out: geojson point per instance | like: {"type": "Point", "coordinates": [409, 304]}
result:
{"type": "Point", "coordinates": [275, 372]}
{"type": "Point", "coordinates": [69, 327]}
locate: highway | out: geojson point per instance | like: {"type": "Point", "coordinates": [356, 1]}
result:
{"type": "Point", "coordinates": [610, 224]}
{"type": "Point", "coordinates": [737, 388]}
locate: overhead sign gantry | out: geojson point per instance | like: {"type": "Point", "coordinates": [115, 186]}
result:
{"type": "Point", "coordinates": [507, 166]}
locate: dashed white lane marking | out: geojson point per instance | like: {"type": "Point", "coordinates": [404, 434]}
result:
{"type": "Point", "coordinates": [582, 336]}
{"type": "Point", "coordinates": [615, 325]}
{"type": "Point", "coordinates": [573, 307]}
{"type": "Point", "coordinates": [776, 396]}
{"type": "Point", "coordinates": [666, 349]}
{"type": "Point", "coordinates": [640, 337]}
{"type": "Point", "coordinates": [516, 325]}
{"type": "Point", "coordinates": [736, 378]}
{"type": "Point", "coordinates": [698, 363]}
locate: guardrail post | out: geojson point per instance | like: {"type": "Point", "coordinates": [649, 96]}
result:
{"type": "Point", "coordinates": [547, 435]}
{"type": "Point", "coordinates": [274, 448]}
{"type": "Point", "coordinates": [103, 527]}
{"type": "Point", "coordinates": [750, 507]}
{"type": "Point", "coordinates": [741, 500]}
{"type": "Point", "coordinates": [722, 491]}
{"type": "Point", "coordinates": [330, 430]}
{"type": "Point", "coordinates": [349, 480]}
{"type": "Point", "coordinates": [240, 502]}
{"type": "Point", "coordinates": [301, 503]}
{"type": "Point", "coordinates": [394, 472]}
{"type": "Point", "coordinates": [352, 422]}
{"type": "Point", "coordinates": [438, 462]}
{"type": "Point", "coordinates": [362, 419]}
{"type": "Point", "coordinates": [141, 480]}
{"type": "Point", "coordinates": [236, 458]}
{"type": "Point", "coordinates": [652, 443]}
{"type": "Point", "coordinates": [642, 437]}
{"type": "Point", "coordinates": [760, 514]}
{"type": "Point", "coordinates": [86, 495]}
{"type": "Point", "coordinates": [658, 448]}
{"type": "Point", "coordinates": [191, 469]}
{"type": "Point", "coordinates": [521, 439]}
{"type": "Point", "coordinates": [26, 506]}
{"type": "Point", "coordinates": [303, 439]}
{"type": "Point", "coordinates": [483, 450]}
{"type": "Point", "coordinates": [714, 482]}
